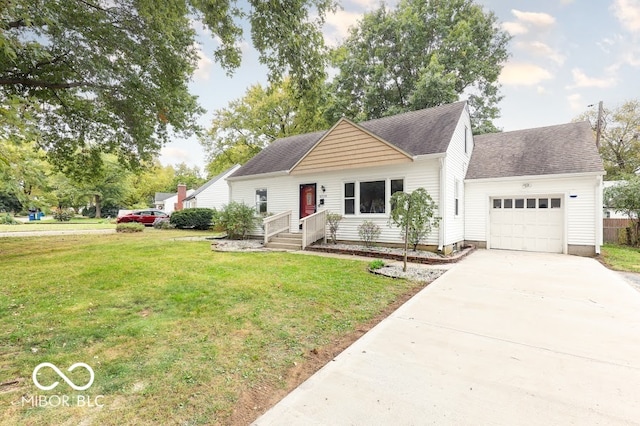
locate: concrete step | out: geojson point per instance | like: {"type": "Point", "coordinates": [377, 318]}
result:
{"type": "Point", "coordinates": [283, 246]}
{"type": "Point", "coordinates": [286, 241]}
{"type": "Point", "coordinates": [290, 235]}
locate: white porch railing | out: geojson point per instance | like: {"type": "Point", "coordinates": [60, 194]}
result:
{"type": "Point", "coordinates": [313, 228]}
{"type": "Point", "coordinates": [275, 224]}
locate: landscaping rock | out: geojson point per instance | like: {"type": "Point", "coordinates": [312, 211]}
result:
{"type": "Point", "coordinates": [412, 273]}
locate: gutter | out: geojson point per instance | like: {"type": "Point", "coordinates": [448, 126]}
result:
{"type": "Point", "coordinates": [442, 204]}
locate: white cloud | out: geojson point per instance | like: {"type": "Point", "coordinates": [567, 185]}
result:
{"type": "Point", "coordinates": [542, 90]}
{"type": "Point", "coordinates": [541, 49]}
{"type": "Point", "coordinates": [515, 28]}
{"type": "Point", "coordinates": [205, 64]}
{"type": "Point", "coordinates": [337, 26]}
{"type": "Point", "coordinates": [580, 79]}
{"type": "Point", "coordinates": [575, 102]}
{"type": "Point", "coordinates": [172, 155]}
{"type": "Point", "coordinates": [628, 13]}
{"type": "Point", "coordinates": [534, 18]}
{"type": "Point", "coordinates": [523, 74]}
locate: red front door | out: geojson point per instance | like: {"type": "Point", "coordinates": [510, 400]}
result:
{"type": "Point", "coordinates": [307, 199]}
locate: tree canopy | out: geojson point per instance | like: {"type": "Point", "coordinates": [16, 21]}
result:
{"type": "Point", "coordinates": [247, 125]}
{"type": "Point", "coordinates": [419, 55]}
{"type": "Point", "coordinates": [87, 76]}
{"type": "Point", "coordinates": [619, 138]}
{"type": "Point", "coordinates": [624, 197]}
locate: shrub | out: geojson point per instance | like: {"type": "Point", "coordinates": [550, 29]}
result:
{"type": "Point", "coordinates": [376, 264]}
{"type": "Point", "coordinates": [196, 218]}
{"type": "Point", "coordinates": [7, 219]}
{"type": "Point", "coordinates": [62, 215]}
{"type": "Point", "coordinates": [130, 227]}
{"type": "Point", "coordinates": [106, 210]}
{"type": "Point", "coordinates": [333, 219]}
{"type": "Point", "coordinates": [162, 223]}
{"type": "Point", "coordinates": [369, 232]}
{"type": "Point", "coordinates": [237, 220]}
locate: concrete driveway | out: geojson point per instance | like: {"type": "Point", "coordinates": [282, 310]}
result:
{"type": "Point", "coordinates": [503, 338]}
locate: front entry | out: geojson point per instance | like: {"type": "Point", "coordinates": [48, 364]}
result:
{"type": "Point", "coordinates": [307, 199]}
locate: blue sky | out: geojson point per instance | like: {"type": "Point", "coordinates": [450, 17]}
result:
{"type": "Point", "coordinates": [565, 55]}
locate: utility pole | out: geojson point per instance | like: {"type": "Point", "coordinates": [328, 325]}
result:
{"type": "Point", "coordinates": [599, 125]}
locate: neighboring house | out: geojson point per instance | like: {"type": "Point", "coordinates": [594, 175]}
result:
{"type": "Point", "coordinates": [608, 211]}
{"type": "Point", "coordinates": [160, 198]}
{"type": "Point", "coordinates": [353, 169]}
{"type": "Point", "coordinates": [169, 202]}
{"type": "Point", "coordinates": [213, 194]}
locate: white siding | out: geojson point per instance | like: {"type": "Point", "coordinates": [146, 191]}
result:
{"type": "Point", "coordinates": [456, 163]}
{"type": "Point", "coordinates": [283, 194]}
{"type": "Point", "coordinates": [581, 211]}
{"type": "Point", "coordinates": [215, 195]}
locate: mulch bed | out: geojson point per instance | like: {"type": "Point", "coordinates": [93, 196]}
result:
{"type": "Point", "coordinates": [413, 257]}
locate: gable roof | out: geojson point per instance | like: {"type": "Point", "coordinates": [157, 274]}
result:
{"type": "Point", "coordinates": [560, 149]}
{"type": "Point", "coordinates": [211, 182]}
{"type": "Point", "coordinates": [426, 131]}
{"type": "Point", "coordinates": [161, 196]}
{"type": "Point", "coordinates": [348, 145]}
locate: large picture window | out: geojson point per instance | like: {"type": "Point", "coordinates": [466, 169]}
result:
{"type": "Point", "coordinates": [372, 199]}
{"type": "Point", "coordinates": [369, 197]}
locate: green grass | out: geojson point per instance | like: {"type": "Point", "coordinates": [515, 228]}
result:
{"type": "Point", "coordinates": [79, 223]}
{"type": "Point", "coordinates": [174, 332]}
{"type": "Point", "coordinates": [621, 258]}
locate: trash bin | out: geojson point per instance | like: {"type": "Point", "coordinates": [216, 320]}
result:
{"type": "Point", "coordinates": [40, 215]}
{"type": "Point", "coordinates": [32, 216]}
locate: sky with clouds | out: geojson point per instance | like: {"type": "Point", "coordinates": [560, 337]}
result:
{"type": "Point", "coordinates": [565, 55]}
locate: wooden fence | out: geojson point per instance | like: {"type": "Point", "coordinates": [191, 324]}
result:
{"type": "Point", "coordinates": [611, 229]}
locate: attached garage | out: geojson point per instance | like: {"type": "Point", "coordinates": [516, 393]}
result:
{"type": "Point", "coordinates": [536, 190]}
{"type": "Point", "coordinates": [534, 223]}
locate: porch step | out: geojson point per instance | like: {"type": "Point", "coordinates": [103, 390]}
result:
{"type": "Point", "coordinates": [286, 241]}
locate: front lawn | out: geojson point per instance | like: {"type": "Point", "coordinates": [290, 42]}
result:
{"type": "Point", "coordinates": [176, 333]}
{"type": "Point", "coordinates": [621, 258]}
{"type": "Point", "coordinates": [79, 223]}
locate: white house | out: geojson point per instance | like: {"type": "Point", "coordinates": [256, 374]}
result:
{"type": "Point", "coordinates": [353, 169]}
{"type": "Point", "coordinates": [213, 194]}
{"type": "Point", "coordinates": [170, 202]}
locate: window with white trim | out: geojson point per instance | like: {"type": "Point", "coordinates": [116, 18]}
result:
{"type": "Point", "coordinates": [456, 195]}
{"type": "Point", "coordinates": [261, 200]}
{"type": "Point", "coordinates": [350, 198]}
{"type": "Point", "coordinates": [370, 197]}
{"type": "Point", "coordinates": [466, 139]}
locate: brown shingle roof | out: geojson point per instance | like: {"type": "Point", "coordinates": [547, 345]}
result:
{"type": "Point", "coordinates": [426, 131]}
{"type": "Point", "coordinates": [565, 148]}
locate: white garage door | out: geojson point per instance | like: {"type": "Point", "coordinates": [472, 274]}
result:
{"type": "Point", "coordinates": [531, 223]}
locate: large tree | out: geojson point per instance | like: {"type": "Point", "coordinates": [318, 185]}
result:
{"type": "Point", "coordinates": [23, 176]}
{"type": "Point", "coordinates": [418, 55]}
{"type": "Point", "coordinates": [619, 138]}
{"type": "Point", "coordinates": [112, 75]}
{"type": "Point", "coordinates": [246, 125]}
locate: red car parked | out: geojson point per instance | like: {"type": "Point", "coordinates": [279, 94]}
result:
{"type": "Point", "coordinates": [146, 217]}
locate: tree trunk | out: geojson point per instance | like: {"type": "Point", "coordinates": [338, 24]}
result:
{"type": "Point", "coordinates": [406, 246]}
{"type": "Point", "coordinates": [98, 206]}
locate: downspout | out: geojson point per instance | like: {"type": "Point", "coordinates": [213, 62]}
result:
{"type": "Point", "coordinates": [442, 204]}
{"type": "Point", "coordinates": [599, 214]}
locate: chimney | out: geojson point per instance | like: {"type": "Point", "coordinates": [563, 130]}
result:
{"type": "Point", "coordinates": [182, 194]}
